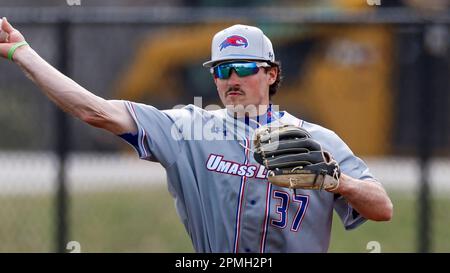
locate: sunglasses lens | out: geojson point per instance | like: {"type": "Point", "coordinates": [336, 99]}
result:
{"type": "Point", "coordinates": [247, 70]}
{"type": "Point", "coordinates": [223, 71]}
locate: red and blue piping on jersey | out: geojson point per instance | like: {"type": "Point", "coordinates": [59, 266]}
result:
{"type": "Point", "coordinates": [262, 248]}
{"type": "Point", "coordinates": [134, 139]}
{"type": "Point", "coordinates": [237, 230]}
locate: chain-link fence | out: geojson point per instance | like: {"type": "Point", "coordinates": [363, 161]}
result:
{"type": "Point", "coordinates": [381, 79]}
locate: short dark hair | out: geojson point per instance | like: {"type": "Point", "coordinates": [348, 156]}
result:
{"type": "Point", "coordinates": [274, 86]}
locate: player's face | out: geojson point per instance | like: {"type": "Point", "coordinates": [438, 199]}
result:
{"type": "Point", "coordinates": [246, 90]}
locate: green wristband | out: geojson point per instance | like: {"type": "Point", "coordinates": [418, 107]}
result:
{"type": "Point", "coordinates": [13, 49]}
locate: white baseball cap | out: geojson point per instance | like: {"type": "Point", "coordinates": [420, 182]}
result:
{"type": "Point", "coordinates": [240, 42]}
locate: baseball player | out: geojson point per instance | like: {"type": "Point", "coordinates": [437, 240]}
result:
{"type": "Point", "coordinates": [223, 194]}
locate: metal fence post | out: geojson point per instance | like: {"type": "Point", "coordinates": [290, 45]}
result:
{"type": "Point", "coordinates": [62, 145]}
{"type": "Point", "coordinates": [425, 142]}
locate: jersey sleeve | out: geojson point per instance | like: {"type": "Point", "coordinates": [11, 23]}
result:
{"type": "Point", "coordinates": [158, 138]}
{"type": "Point", "coordinates": [356, 168]}
{"type": "Point", "coordinates": [350, 164]}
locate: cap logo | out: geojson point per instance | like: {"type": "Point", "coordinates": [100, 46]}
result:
{"type": "Point", "coordinates": [234, 40]}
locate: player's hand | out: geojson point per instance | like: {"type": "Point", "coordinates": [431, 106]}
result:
{"type": "Point", "coordinates": [8, 37]}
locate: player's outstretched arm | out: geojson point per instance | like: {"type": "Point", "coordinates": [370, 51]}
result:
{"type": "Point", "coordinates": [67, 94]}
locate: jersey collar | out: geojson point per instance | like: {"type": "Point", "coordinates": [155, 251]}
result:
{"type": "Point", "coordinates": [260, 120]}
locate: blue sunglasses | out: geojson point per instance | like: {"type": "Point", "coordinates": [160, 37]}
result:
{"type": "Point", "coordinates": [243, 69]}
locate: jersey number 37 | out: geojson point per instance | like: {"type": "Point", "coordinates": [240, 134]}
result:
{"type": "Point", "coordinates": [298, 200]}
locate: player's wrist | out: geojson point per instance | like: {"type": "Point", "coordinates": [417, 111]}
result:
{"type": "Point", "coordinates": [16, 50]}
{"type": "Point", "coordinates": [346, 185]}
{"type": "Point", "coordinates": [22, 53]}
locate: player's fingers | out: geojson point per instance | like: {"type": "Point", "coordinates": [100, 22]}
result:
{"type": "Point", "coordinates": [10, 34]}
{"type": "Point", "coordinates": [6, 26]}
{"type": "Point", "coordinates": [3, 35]}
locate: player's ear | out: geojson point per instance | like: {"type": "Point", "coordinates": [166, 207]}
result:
{"type": "Point", "coordinates": [272, 72]}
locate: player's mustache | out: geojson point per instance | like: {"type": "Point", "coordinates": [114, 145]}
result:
{"type": "Point", "coordinates": [234, 89]}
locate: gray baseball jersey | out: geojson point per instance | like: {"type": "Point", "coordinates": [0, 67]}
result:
{"type": "Point", "coordinates": [221, 193]}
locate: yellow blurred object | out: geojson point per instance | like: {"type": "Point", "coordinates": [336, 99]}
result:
{"type": "Point", "coordinates": [347, 79]}
{"type": "Point", "coordinates": [353, 4]}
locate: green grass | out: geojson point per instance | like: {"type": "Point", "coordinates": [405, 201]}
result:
{"type": "Point", "coordinates": [398, 235]}
{"type": "Point", "coordinates": [26, 224]}
{"type": "Point", "coordinates": [144, 220]}
{"type": "Point", "coordinates": [128, 221]}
